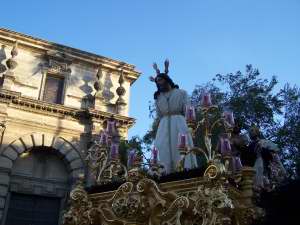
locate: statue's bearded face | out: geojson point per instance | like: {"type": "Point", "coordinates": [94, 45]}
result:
{"type": "Point", "coordinates": [162, 84]}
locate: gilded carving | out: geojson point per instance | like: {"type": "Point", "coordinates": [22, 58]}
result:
{"type": "Point", "coordinates": [80, 207]}
{"type": "Point", "coordinates": [141, 201]}
{"type": "Point", "coordinates": [97, 159]}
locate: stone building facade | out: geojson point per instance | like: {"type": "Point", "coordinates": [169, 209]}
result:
{"type": "Point", "coordinates": [53, 100]}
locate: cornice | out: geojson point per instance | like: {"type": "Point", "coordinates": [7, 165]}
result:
{"type": "Point", "coordinates": [44, 127]}
{"type": "Point", "coordinates": [15, 100]}
{"type": "Point", "coordinates": [74, 54]}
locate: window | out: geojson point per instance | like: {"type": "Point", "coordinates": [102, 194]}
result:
{"type": "Point", "coordinates": [53, 89]}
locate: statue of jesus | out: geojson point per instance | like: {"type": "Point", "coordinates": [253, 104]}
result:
{"type": "Point", "coordinates": [171, 103]}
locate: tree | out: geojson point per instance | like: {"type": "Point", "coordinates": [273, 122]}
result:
{"type": "Point", "coordinates": [288, 134]}
{"type": "Point", "coordinates": [252, 99]}
{"type": "Point", "coordinates": [255, 101]}
{"type": "Point", "coordinates": [126, 145]}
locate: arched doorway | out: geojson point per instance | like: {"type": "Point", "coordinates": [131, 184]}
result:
{"type": "Point", "coordinates": [39, 185]}
{"type": "Point", "coordinates": [29, 169]}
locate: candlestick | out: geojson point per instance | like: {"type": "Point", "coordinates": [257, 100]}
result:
{"type": "Point", "coordinates": [131, 157]}
{"type": "Point", "coordinates": [206, 100]}
{"type": "Point", "coordinates": [154, 156]}
{"type": "Point", "coordinates": [225, 146]}
{"type": "Point", "coordinates": [237, 163]}
{"type": "Point", "coordinates": [190, 114]}
{"type": "Point", "coordinates": [182, 140]}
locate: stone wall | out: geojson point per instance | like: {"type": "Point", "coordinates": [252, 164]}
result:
{"type": "Point", "coordinates": [67, 129]}
{"type": "Point", "coordinates": [79, 80]}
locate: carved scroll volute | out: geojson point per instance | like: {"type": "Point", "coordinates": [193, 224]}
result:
{"type": "Point", "coordinates": [136, 204]}
{"type": "Point", "coordinates": [80, 206]}
{"type": "Point", "coordinates": [143, 203]}
{"type": "Point", "coordinates": [157, 200]}
{"type": "Point", "coordinates": [129, 206]}
{"type": "Point", "coordinates": [96, 159]}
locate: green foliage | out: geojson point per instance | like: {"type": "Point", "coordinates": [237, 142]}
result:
{"type": "Point", "coordinates": [288, 134]}
{"type": "Point", "coordinates": [252, 99]}
{"type": "Point", "coordinates": [149, 137]}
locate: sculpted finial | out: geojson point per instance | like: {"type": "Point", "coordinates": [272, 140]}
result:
{"type": "Point", "coordinates": [11, 62]}
{"type": "Point", "coordinates": [98, 85]}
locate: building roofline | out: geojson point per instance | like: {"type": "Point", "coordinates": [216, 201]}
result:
{"type": "Point", "coordinates": [11, 36]}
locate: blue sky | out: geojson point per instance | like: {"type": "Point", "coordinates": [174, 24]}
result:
{"type": "Point", "coordinates": [201, 38]}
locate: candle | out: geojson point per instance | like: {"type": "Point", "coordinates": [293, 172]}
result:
{"type": "Point", "coordinates": [206, 100]}
{"type": "Point", "coordinates": [225, 146]}
{"type": "Point", "coordinates": [114, 151]}
{"type": "Point", "coordinates": [110, 127]}
{"type": "Point", "coordinates": [182, 139]}
{"type": "Point", "coordinates": [131, 157]}
{"type": "Point", "coordinates": [190, 114]}
{"type": "Point", "coordinates": [228, 116]}
{"type": "Point", "coordinates": [237, 163]}
{"type": "Point", "coordinates": [103, 138]}
{"type": "Point", "coordinates": [154, 156]}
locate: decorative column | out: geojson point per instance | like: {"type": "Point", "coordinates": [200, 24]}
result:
{"type": "Point", "coordinates": [121, 103]}
{"type": "Point", "coordinates": [9, 76]}
{"type": "Point", "coordinates": [247, 185]}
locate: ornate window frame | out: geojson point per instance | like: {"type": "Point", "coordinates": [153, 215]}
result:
{"type": "Point", "coordinates": [56, 65]}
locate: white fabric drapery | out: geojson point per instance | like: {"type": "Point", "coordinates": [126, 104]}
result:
{"type": "Point", "coordinates": [170, 108]}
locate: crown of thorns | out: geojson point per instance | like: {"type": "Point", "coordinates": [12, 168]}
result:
{"type": "Point", "coordinates": [155, 67]}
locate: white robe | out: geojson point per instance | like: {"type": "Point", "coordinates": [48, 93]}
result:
{"type": "Point", "coordinates": [170, 108]}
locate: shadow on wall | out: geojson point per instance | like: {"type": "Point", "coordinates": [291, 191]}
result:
{"type": "Point", "coordinates": [2, 58]}
{"type": "Point", "coordinates": [37, 69]}
{"type": "Point", "coordinates": [88, 99]}
{"type": "Point", "coordinates": [108, 84]}
{"type": "Point", "coordinates": [83, 138]}
{"type": "Point", "coordinates": [59, 127]}
{"type": "Point", "coordinates": [86, 87]}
